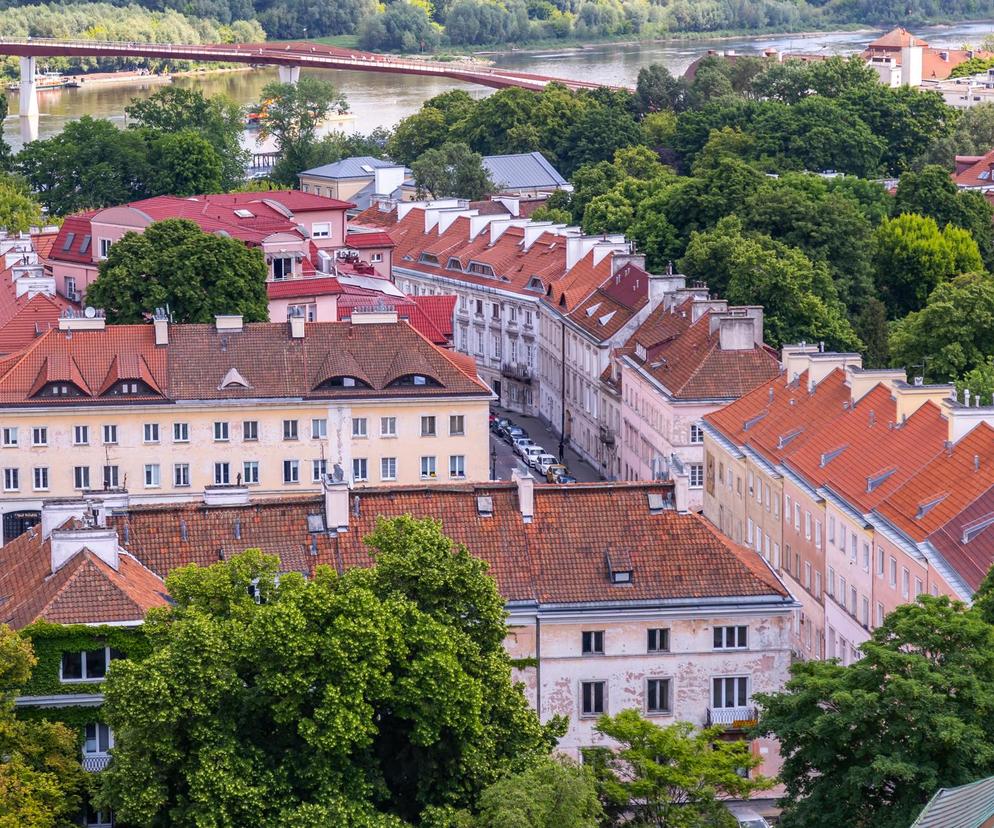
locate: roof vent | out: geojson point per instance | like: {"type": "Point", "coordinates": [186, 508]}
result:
{"type": "Point", "coordinates": [619, 567]}
{"type": "Point", "coordinates": [753, 420]}
{"type": "Point", "coordinates": [786, 438]}
{"type": "Point", "coordinates": [485, 506]}
{"type": "Point", "coordinates": [971, 530]}
{"type": "Point", "coordinates": [929, 505]}
{"type": "Point", "coordinates": [657, 502]}
{"type": "Point", "coordinates": [233, 379]}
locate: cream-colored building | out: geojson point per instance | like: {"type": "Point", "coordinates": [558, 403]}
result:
{"type": "Point", "coordinates": [165, 410]}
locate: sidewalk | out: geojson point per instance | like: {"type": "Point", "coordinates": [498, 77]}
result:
{"type": "Point", "coordinates": [545, 436]}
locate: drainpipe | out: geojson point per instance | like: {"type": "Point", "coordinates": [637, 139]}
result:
{"type": "Point", "coordinates": [538, 666]}
{"type": "Point", "coordinates": [562, 395]}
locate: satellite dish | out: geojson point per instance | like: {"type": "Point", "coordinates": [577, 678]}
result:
{"type": "Point", "coordinates": [90, 312]}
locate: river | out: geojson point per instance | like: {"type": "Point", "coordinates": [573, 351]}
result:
{"type": "Point", "coordinates": [379, 100]}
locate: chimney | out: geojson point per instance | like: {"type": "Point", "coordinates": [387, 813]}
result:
{"type": "Point", "coordinates": [56, 512]}
{"type": "Point", "coordinates": [821, 364]}
{"type": "Point", "coordinates": [700, 306]}
{"type": "Point", "coordinates": [619, 260]}
{"type": "Point", "coordinates": [735, 333]}
{"type": "Point", "coordinates": [100, 541]}
{"type": "Point", "coordinates": [912, 397]}
{"type": "Point", "coordinates": [795, 359]}
{"type": "Point", "coordinates": [663, 288]}
{"type": "Point", "coordinates": [336, 501]}
{"type": "Point", "coordinates": [863, 380]}
{"type": "Point", "coordinates": [526, 494]}
{"type": "Point", "coordinates": [229, 322]}
{"type": "Point", "coordinates": [370, 316]}
{"type": "Point", "coordinates": [296, 322]}
{"type": "Point", "coordinates": [161, 324]}
{"type": "Point", "coordinates": [218, 496]}
{"type": "Point", "coordinates": [911, 66]}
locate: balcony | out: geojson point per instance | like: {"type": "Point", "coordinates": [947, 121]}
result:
{"type": "Point", "coordinates": [516, 371]}
{"type": "Point", "coordinates": [608, 436]}
{"type": "Point", "coordinates": [732, 718]}
{"type": "Point", "coordinates": [95, 763]}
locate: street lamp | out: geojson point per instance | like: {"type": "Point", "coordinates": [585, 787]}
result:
{"type": "Point", "coordinates": [493, 462]}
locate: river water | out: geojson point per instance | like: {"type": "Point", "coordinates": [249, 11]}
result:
{"type": "Point", "coordinates": [382, 100]}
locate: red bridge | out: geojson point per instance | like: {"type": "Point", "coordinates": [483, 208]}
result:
{"type": "Point", "coordinates": [289, 57]}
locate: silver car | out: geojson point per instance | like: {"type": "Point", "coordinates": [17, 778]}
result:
{"type": "Point", "coordinates": [521, 443]}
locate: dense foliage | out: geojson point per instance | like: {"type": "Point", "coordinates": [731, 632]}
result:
{"type": "Point", "coordinates": [870, 743]}
{"type": "Point", "coordinates": [175, 264]}
{"type": "Point", "coordinates": [360, 699]}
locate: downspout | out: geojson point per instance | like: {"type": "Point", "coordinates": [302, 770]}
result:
{"type": "Point", "coordinates": [562, 394]}
{"type": "Point", "coordinates": [538, 666]}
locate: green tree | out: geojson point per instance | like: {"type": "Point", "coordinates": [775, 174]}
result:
{"type": "Point", "coordinates": [953, 334]}
{"type": "Point", "coordinates": [403, 26]}
{"type": "Point", "coordinates": [552, 793]}
{"type": "Point", "coordinates": [979, 381]}
{"type": "Point", "coordinates": [871, 328]}
{"type": "Point", "coordinates": [293, 115]}
{"type": "Point", "coordinates": [656, 89]}
{"type": "Point", "coordinates": [973, 134]}
{"type": "Point", "coordinates": [218, 119]}
{"type": "Point", "coordinates": [175, 263]}
{"type": "Point", "coordinates": [452, 170]}
{"type": "Point", "coordinates": [870, 743]}
{"type": "Point", "coordinates": [357, 700]}
{"type": "Point", "coordinates": [91, 163]}
{"type": "Point", "coordinates": [912, 256]}
{"type": "Point", "coordinates": [183, 164]}
{"type": "Point", "coordinates": [553, 214]}
{"type": "Point", "coordinates": [41, 779]}
{"type": "Point", "coordinates": [5, 154]}
{"type": "Point", "coordinates": [670, 776]}
{"type": "Point", "coordinates": [19, 210]}
{"type": "Point", "coordinates": [797, 294]}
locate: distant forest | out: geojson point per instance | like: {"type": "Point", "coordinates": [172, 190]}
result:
{"type": "Point", "coordinates": [427, 25]}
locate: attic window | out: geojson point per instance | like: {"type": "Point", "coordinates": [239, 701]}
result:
{"type": "Point", "coordinates": [481, 269]}
{"type": "Point", "coordinates": [454, 264]}
{"type": "Point", "coordinates": [85, 246]}
{"type": "Point", "coordinates": [971, 530]}
{"type": "Point", "coordinates": [344, 382]}
{"type": "Point", "coordinates": [829, 456]}
{"type": "Point", "coordinates": [59, 389]}
{"type": "Point", "coordinates": [428, 258]}
{"type": "Point", "coordinates": [420, 380]}
{"type": "Point", "coordinates": [243, 213]}
{"type": "Point", "coordinates": [536, 284]}
{"type": "Point", "coordinates": [753, 420]}
{"type": "Point", "coordinates": [70, 238]}
{"type": "Point", "coordinates": [485, 506]}
{"type": "Point", "coordinates": [878, 479]}
{"type": "Point", "coordinates": [233, 379]}
{"type": "Point", "coordinates": [315, 523]}
{"type": "Point", "coordinates": [619, 567]}
{"type": "Point", "coordinates": [984, 175]}
{"type": "Point", "coordinates": [593, 309]}
{"type": "Point", "coordinates": [640, 351]}
{"type": "Point", "coordinates": [929, 505]}
{"type": "Point", "coordinates": [657, 502]}
{"type": "Point", "coordinates": [606, 318]}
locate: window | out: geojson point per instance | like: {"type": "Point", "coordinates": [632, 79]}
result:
{"type": "Point", "coordinates": [817, 534]}
{"type": "Point", "coordinates": [110, 435]}
{"type": "Point", "coordinates": [457, 425]}
{"type": "Point", "coordinates": [657, 695]}
{"type": "Point", "coordinates": [731, 638]}
{"type": "Point", "coordinates": [291, 471]}
{"type": "Point", "coordinates": [86, 665]}
{"type": "Point", "coordinates": [220, 432]}
{"type": "Point", "coordinates": [428, 426]}
{"type": "Point", "coordinates": [112, 476]}
{"type": "Point", "coordinates": [592, 642]}
{"type": "Point", "coordinates": [807, 525]}
{"type": "Point", "coordinates": [592, 698]}
{"type": "Point", "coordinates": [39, 436]}
{"type": "Point", "coordinates": [98, 740]}
{"type": "Point", "coordinates": [831, 581]}
{"type": "Point", "coordinates": [181, 432]}
{"type": "Point", "coordinates": [696, 475]}
{"type": "Point", "coordinates": [319, 429]}
{"type": "Point", "coordinates": [40, 478]}
{"type": "Point", "coordinates": [918, 587]}
{"type": "Point", "coordinates": [388, 426]}
{"type": "Point", "coordinates": [658, 640]}
{"type": "Point", "coordinates": [222, 474]}
{"type": "Point", "coordinates": [797, 516]}
{"type": "Point", "coordinates": [151, 433]}
{"type": "Point", "coordinates": [905, 583]}
{"type": "Point", "coordinates": [852, 546]}
{"type": "Point", "coordinates": [80, 435]}
{"type": "Point", "coordinates": [696, 433]}
{"type": "Point", "coordinates": [880, 613]}
{"type": "Point", "coordinates": [290, 429]}
{"type": "Point", "coordinates": [320, 231]}
{"type": "Point", "coordinates": [376, 258]}
{"type": "Point", "coordinates": [880, 562]}
{"type": "Point", "coordinates": [11, 480]}
{"type": "Point", "coordinates": [853, 598]}
{"type": "Point", "coordinates": [866, 556]}
{"type": "Point", "coordinates": [10, 436]}
{"type": "Point", "coordinates": [730, 691]}
{"type": "Point", "coordinates": [457, 465]}
{"type": "Point", "coordinates": [98, 819]}
{"type": "Point", "coordinates": [892, 563]}
{"type": "Point", "coordinates": [151, 475]}
{"type": "Point", "coordinates": [841, 597]}
{"type": "Point", "coordinates": [181, 474]}
{"type": "Point", "coordinates": [81, 477]}
{"type": "Point", "coordinates": [250, 430]}
{"type": "Point", "coordinates": [359, 469]}
{"type": "Point", "coordinates": [388, 468]}
{"type": "Point", "coordinates": [104, 247]}
{"type": "Point", "coordinates": [427, 468]}
{"type": "Point", "coordinates": [282, 268]}
{"type": "Point", "coordinates": [359, 427]}
{"type": "Point", "coordinates": [817, 584]}
{"type": "Point", "coordinates": [807, 575]}
{"type": "Point", "coordinates": [831, 529]}
{"type": "Point", "coordinates": [865, 616]}
{"type": "Point", "coordinates": [250, 472]}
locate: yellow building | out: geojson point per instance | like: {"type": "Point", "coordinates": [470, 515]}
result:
{"type": "Point", "coordinates": [163, 410]}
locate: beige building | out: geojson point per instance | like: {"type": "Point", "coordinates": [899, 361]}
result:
{"type": "Point", "coordinates": [165, 410]}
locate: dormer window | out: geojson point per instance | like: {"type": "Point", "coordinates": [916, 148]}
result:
{"type": "Point", "coordinates": [535, 284]}
{"type": "Point", "coordinates": [128, 387]}
{"type": "Point", "coordinates": [481, 269]}
{"type": "Point", "coordinates": [59, 389]}
{"type": "Point", "coordinates": [337, 383]}
{"type": "Point", "coordinates": [233, 380]}
{"type": "Point", "coordinates": [428, 259]}
{"type": "Point", "coordinates": [619, 567]}
{"type": "Point", "coordinates": [421, 380]}
{"type": "Point", "coordinates": [454, 264]}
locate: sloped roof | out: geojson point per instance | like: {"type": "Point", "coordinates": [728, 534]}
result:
{"type": "Point", "coordinates": [350, 167]}
{"type": "Point", "coordinates": [968, 806]}
{"type": "Point", "coordinates": [897, 38]}
{"type": "Point", "coordinates": [524, 171]}
{"type": "Point", "coordinates": [977, 173]}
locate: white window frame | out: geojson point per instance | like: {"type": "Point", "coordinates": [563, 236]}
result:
{"type": "Point", "coordinates": [222, 431]}
{"type": "Point", "coordinates": [737, 678]}
{"type": "Point", "coordinates": [12, 479]}
{"type": "Point", "coordinates": [181, 475]}
{"type": "Point", "coordinates": [250, 431]}
{"type": "Point", "coordinates": [250, 472]}
{"type": "Point", "coordinates": [319, 468]}
{"type": "Point", "coordinates": [34, 478]}
{"type": "Point", "coordinates": [84, 679]}
{"type": "Point", "coordinates": [319, 428]}
{"type": "Point", "coordinates": [384, 463]}
{"type": "Point", "coordinates": [81, 478]}
{"type": "Point", "coordinates": [388, 426]}
{"type": "Point", "coordinates": [39, 436]}
{"type": "Point", "coordinates": [81, 435]}
{"type": "Point", "coordinates": [152, 475]}
{"type": "Point", "coordinates": [109, 434]}
{"type": "Point", "coordinates": [457, 466]}
{"type": "Point", "coordinates": [291, 472]}
{"type": "Point", "coordinates": [730, 633]}
{"type": "Point", "coordinates": [150, 433]}
{"type": "Point", "coordinates": [360, 469]}
{"type": "Point", "coordinates": [222, 473]}
{"type": "Point", "coordinates": [429, 469]}
{"type": "Point", "coordinates": [181, 432]}
{"type": "Point", "coordinates": [360, 428]}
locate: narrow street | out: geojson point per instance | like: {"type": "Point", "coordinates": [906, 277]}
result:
{"type": "Point", "coordinates": [507, 460]}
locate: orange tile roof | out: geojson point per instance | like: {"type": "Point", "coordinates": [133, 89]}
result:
{"type": "Point", "coordinates": [977, 173]}
{"type": "Point", "coordinates": [897, 38]}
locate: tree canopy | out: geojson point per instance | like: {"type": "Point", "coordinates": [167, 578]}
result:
{"type": "Point", "coordinates": [452, 170]}
{"type": "Point", "coordinates": [175, 264]}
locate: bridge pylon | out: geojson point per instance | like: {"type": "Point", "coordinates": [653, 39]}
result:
{"type": "Point", "coordinates": [289, 74]}
{"type": "Point", "coordinates": [28, 92]}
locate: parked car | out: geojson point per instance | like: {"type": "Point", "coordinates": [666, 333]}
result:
{"type": "Point", "coordinates": [530, 453]}
{"type": "Point", "coordinates": [565, 478]}
{"type": "Point", "coordinates": [497, 424]}
{"type": "Point", "coordinates": [519, 444]}
{"type": "Point", "coordinates": [555, 471]}
{"type": "Point", "coordinates": [512, 433]}
{"type": "Point", "coordinates": [544, 462]}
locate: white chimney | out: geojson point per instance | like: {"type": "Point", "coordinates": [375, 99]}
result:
{"type": "Point", "coordinates": [88, 320]}
{"type": "Point", "coordinates": [477, 223]}
{"type": "Point", "coordinates": [795, 359]}
{"type": "Point", "coordinates": [735, 333]}
{"type": "Point", "coordinates": [387, 179]}
{"type": "Point", "coordinates": [662, 285]}
{"type": "Point", "coordinates": [821, 364]}
{"type": "Point", "coordinates": [911, 66]}
{"type": "Point", "coordinates": [56, 512]}
{"type": "Point", "coordinates": [161, 324]}
{"type": "Point", "coordinates": [228, 322]}
{"type": "Point", "coordinates": [100, 541]}
{"type": "Point", "coordinates": [526, 494]}
{"type": "Point", "coordinates": [336, 504]}
{"type": "Point", "coordinates": [296, 321]}
{"type": "Point", "coordinates": [217, 496]}
{"type": "Point", "coordinates": [501, 223]}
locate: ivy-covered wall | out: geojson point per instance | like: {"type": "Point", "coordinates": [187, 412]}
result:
{"type": "Point", "coordinates": [50, 641]}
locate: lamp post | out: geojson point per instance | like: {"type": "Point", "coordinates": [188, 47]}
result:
{"type": "Point", "coordinates": [493, 462]}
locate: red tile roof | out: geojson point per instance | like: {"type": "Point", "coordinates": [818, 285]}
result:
{"type": "Point", "coordinates": [298, 288]}
{"type": "Point", "coordinates": [896, 39]}
{"type": "Point", "coordinates": [363, 241]}
{"type": "Point", "coordinates": [977, 173]}
{"type": "Point", "coordinates": [74, 233]}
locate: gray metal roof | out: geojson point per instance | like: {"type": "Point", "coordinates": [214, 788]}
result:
{"type": "Point", "coordinates": [350, 167]}
{"type": "Point", "coordinates": [525, 171]}
{"type": "Point", "coordinates": [967, 806]}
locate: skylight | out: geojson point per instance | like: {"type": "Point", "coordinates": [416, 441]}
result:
{"type": "Point", "coordinates": [593, 309]}
{"type": "Point", "coordinates": [243, 213]}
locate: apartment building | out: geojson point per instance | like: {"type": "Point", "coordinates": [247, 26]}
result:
{"type": "Point", "coordinates": [615, 599]}
{"type": "Point", "coordinates": [163, 410]}
{"type": "Point", "coordinates": [862, 490]}
{"type": "Point", "coordinates": [691, 356]}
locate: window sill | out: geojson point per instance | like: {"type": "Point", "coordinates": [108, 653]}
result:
{"type": "Point", "coordinates": [658, 714]}
{"type": "Point", "coordinates": [388, 479]}
{"type": "Point", "coordinates": [591, 715]}
{"type": "Point", "coordinates": [82, 680]}
{"type": "Point", "coordinates": [388, 436]}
